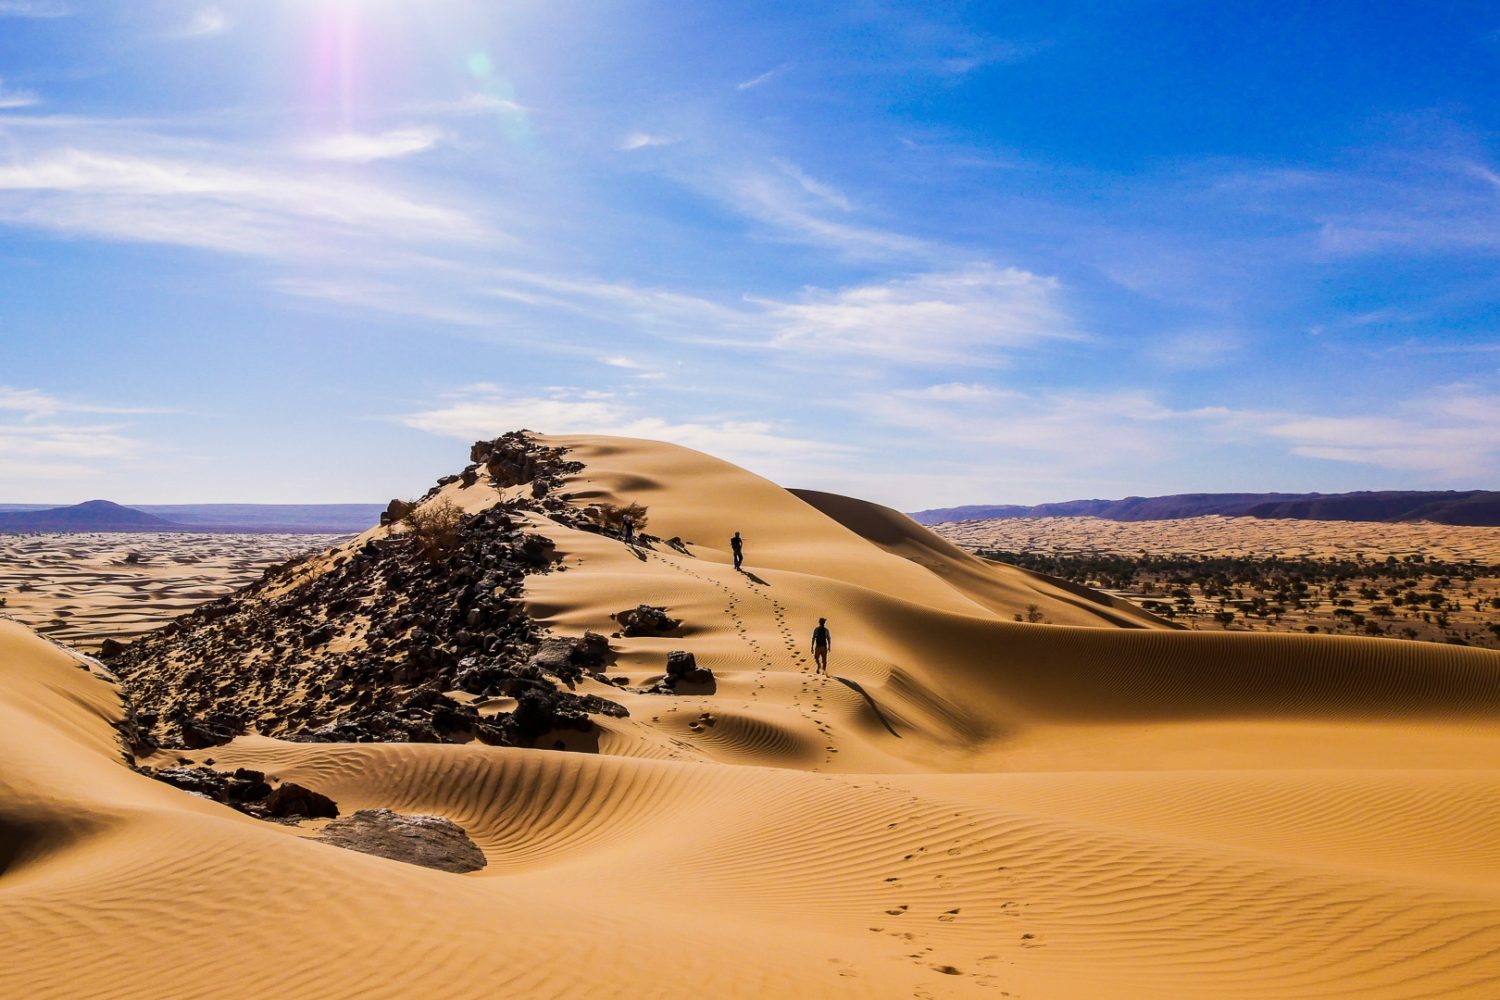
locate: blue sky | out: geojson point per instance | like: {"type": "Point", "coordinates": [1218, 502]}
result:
{"type": "Point", "coordinates": [928, 254]}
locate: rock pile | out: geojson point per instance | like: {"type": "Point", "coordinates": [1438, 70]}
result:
{"type": "Point", "coordinates": [645, 619]}
{"type": "Point", "coordinates": [682, 671]}
{"type": "Point", "coordinates": [372, 643]}
{"type": "Point", "coordinates": [248, 791]}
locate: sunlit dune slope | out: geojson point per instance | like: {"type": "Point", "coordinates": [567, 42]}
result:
{"type": "Point", "coordinates": [968, 806]}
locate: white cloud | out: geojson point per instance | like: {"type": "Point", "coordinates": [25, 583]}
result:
{"type": "Point", "coordinates": [824, 192]}
{"type": "Point", "coordinates": [756, 81]}
{"type": "Point", "coordinates": [33, 8]}
{"type": "Point", "coordinates": [206, 21]}
{"type": "Point", "coordinates": [34, 404]}
{"type": "Point", "coordinates": [643, 140]}
{"type": "Point", "coordinates": [363, 147]}
{"type": "Point", "coordinates": [15, 98]}
{"type": "Point", "coordinates": [787, 206]}
{"type": "Point", "coordinates": [45, 444]}
{"type": "Point", "coordinates": [241, 208]}
{"type": "Point", "coordinates": [1455, 436]}
{"type": "Point", "coordinates": [485, 410]}
{"type": "Point", "coordinates": [959, 317]}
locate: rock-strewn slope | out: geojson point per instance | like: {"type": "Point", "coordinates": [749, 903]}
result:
{"type": "Point", "coordinates": [372, 640]}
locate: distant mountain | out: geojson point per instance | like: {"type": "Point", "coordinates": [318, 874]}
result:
{"type": "Point", "coordinates": [93, 515]}
{"type": "Point", "coordinates": [1470, 507]}
{"type": "Point", "coordinates": [298, 518]}
{"type": "Point", "coordinates": [218, 518]}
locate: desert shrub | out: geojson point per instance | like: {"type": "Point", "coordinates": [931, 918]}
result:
{"type": "Point", "coordinates": [434, 526]}
{"type": "Point", "coordinates": [1034, 615]}
{"type": "Point", "coordinates": [611, 517]}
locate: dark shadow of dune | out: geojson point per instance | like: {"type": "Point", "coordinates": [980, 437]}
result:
{"type": "Point", "coordinates": [857, 689]}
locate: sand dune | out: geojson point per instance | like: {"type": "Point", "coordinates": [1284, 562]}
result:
{"type": "Point", "coordinates": [81, 588]}
{"type": "Point", "coordinates": [968, 806]}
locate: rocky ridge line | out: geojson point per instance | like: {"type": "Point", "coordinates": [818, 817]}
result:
{"type": "Point", "coordinates": [367, 645]}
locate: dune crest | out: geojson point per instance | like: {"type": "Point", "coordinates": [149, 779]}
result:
{"type": "Point", "coordinates": [966, 806]}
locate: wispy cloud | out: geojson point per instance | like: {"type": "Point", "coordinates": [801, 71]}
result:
{"type": "Point", "coordinates": [34, 404]}
{"type": "Point", "coordinates": [363, 147]}
{"type": "Point", "coordinates": [970, 317]}
{"type": "Point", "coordinates": [206, 21]}
{"type": "Point", "coordinates": [41, 440]}
{"type": "Point", "coordinates": [1454, 435]}
{"type": "Point", "coordinates": [243, 208]}
{"type": "Point", "coordinates": [34, 8]}
{"type": "Point", "coordinates": [15, 98]}
{"type": "Point", "coordinates": [484, 410]}
{"type": "Point", "coordinates": [643, 140]}
{"type": "Point", "coordinates": [826, 193]}
{"type": "Point", "coordinates": [763, 78]}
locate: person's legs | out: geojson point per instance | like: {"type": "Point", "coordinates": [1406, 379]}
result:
{"type": "Point", "coordinates": [738, 558]}
{"type": "Point", "coordinates": [820, 657]}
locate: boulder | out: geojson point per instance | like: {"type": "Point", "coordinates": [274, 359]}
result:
{"type": "Point", "coordinates": [292, 799]}
{"type": "Point", "coordinates": [429, 841]}
{"type": "Point", "coordinates": [395, 511]}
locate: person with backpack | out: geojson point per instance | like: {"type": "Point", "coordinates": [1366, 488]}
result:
{"type": "Point", "coordinates": [822, 640]}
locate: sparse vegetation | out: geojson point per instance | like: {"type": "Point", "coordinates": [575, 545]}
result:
{"type": "Point", "coordinates": [1410, 598]}
{"type": "Point", "coordinates": [434, 526]}
{"type": "Point", "coordinates": [611, 517]}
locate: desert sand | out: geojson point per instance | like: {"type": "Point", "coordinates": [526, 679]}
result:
{"type": "Point", "coordinates": [81, 588]}
{"type": "Point", "coordinates": [967, 806]}
{"type": "Point", "coordinates": [1232, 536]}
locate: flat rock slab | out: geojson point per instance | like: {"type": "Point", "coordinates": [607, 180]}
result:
{"type": "Point", "coordinates": [430, 841]}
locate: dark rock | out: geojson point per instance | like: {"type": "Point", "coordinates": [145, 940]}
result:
{"type": "Point", "coordinates": [110, 648]}
{"type": "Point", "coordinates": [429, 841]}
{"type": "Point", "coordinates": [646, 620]}
{"type": "Point", "coordinates": [292, 799]}
{"type": "Point", "coordinates": [201, 780]}
{"type": "Point", "coordinates": [395, 511]}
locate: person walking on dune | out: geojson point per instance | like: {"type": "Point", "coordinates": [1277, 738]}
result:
{"type": "Point", "coordinates": [737, 546]}
{"type": "Point", "coordinates": [628, 524]}
{"type": "Point", "coordinates": [821, 642]}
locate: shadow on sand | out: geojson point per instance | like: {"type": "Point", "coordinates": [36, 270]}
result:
{"type": "Point", "coordinates": [855, 686]}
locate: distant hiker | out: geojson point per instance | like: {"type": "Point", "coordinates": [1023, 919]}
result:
{"type": "Point", "coordinates": [737, 544]}
{"type": "Point", "coordinates": [629, 525]}
{"type": "Point", "coordinates": [821, 641]}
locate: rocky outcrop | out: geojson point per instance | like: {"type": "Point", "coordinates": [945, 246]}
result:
{"type": "Point", "coordinates": [429, 841]}
{"type": "Point", "coordinates": [370, 644]}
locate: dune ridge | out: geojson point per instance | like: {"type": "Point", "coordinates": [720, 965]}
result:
{"type": "Point", "coordinates": [968, 806]}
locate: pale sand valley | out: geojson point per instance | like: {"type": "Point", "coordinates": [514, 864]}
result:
{"type": "Point", "coordinates": [493, 748]}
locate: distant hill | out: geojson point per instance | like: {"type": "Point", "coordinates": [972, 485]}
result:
{"type": "Point", "coordinates": [1468, 507]}
{"type": "Point", "coordinates": [93, 515]}
{"type": "Point", "coordinates": [239, 518]}
{"type": "Point", "coordinates": [299, 518]}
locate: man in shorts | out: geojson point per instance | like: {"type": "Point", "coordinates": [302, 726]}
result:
{"type": "Point", "coordinates": [821, 641]}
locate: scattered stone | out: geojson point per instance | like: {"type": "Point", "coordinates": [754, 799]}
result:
{"type": "Point", "coordinates": [110, 648]}
{"type": "Point", "coordinates": [682, 670]}
{"type": "Point", "coordinates": [646, 620]}
{"type": "Point", "coordinates": [292, 799]}
{"type": "Point", "coordinates": [430, 841]}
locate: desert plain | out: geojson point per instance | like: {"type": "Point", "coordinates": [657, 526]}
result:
{"type": "Point", "coordinates": [964, 805]}
{"type": "Point", "coordinates": [1422, 581]}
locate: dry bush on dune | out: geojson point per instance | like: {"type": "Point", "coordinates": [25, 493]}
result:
{"type": "Point", "coordinates": [611, 517]}
{"type": "Point", "coordinates": [434, 526]}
